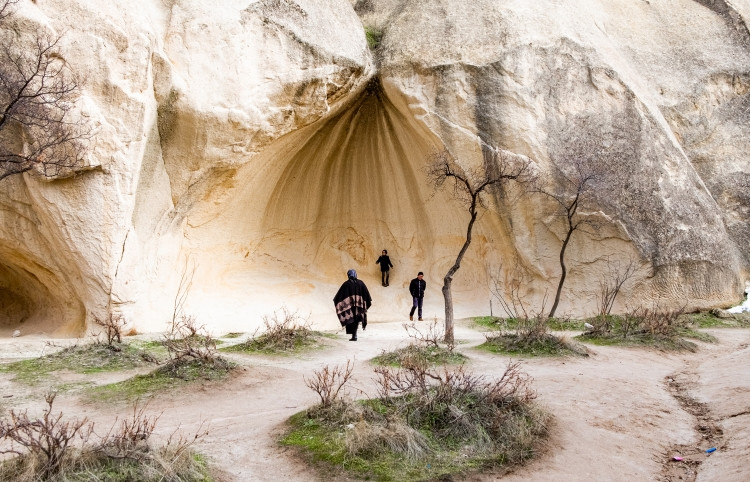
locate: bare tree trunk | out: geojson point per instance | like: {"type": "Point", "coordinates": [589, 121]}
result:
{"type": "Point", "coordinates": [564, 272]}
{"type": "Point", "coordinates": [448, 297]}
{"type": "Point", "coordinates": [449, 277]}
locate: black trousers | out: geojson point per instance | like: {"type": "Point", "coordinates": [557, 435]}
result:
{"type": "Point", "coordinates": [384, 276]}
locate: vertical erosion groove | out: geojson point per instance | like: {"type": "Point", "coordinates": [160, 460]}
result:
{"type": "Point", "coordinates": [360, 172]}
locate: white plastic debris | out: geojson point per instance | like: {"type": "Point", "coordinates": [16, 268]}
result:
{"type": "Point", "coordinates": [744, 306]}
{"type": "Point", "coordinates": [16, 333]}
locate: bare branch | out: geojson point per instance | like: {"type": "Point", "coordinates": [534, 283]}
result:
{"type": "Point", "coordinates": [39, 132]}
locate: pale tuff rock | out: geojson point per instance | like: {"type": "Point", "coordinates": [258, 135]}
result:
{"type": "Point", "coordinates": [260, 149]}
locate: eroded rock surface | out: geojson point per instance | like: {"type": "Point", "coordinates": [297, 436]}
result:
{"type": "Point", "coordinates": [259, 149]}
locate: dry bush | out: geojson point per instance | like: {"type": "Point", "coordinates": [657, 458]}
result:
{"type": "Point", "coordinates": [282, 332]}
{"type": "Point", "coordinates": [285, 331]}
{"type": "Point", "coordinates": [509, 293]}
{"type": "Point", "coordinates": [131, 436]}
{"type": "Point", "coordinates": [612, 282]}
{"type": "Point", "coordinates": [431, 336]}
{"type": "Point", "coordinates": [188, 341]}
{"type": "Point", "coordinates": [655, 321]}
{"type": "Point", "coordinates": [328, 382]}
{"type": "Point", "coordinates": [394, 435]}
{"type": "Point", "coordinates": [454, 404]}
{"type": "Point", "coordinates": [44, 442]}
{"type": "Point", "coordinates": [113, 326]}
{"type": "Point", "coordinates": [44, 449]}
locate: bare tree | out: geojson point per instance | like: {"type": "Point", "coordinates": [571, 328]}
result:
{"type": "Point", "coordinates": [500, 167]}
{"type": "Point", "coordinates": [572, 193]}
{"type": "Point", "coordinates": [38, 131]}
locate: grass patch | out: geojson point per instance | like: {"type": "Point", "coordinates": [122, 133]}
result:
{"type": "Point", "coordinates": [232, 335]}
{"type": "Point", "coordinates": [430, 355]}
{"type": "Point", "coordinates": [663, 330]}
{"type": "Point", "coordinates": [284, 333]}
{"type": "Point", "coordinates": [545, 345]}
{"type": "Point", "coordinates": [172, 375]}
{"type": "Point", "coordinates": [557, 324]}
{"type": "Point", "coordinates": [707, 319]}
{"type": "Point", "coordinates": [90, 358]}
{"type": "Point", "coordinates": [453, 424]}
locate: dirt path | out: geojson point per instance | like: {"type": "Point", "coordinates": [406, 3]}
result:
{"type": "Point", "coordinates": [617, 415]}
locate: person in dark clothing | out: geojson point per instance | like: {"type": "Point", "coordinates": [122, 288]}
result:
{"type": "Point", "coordinates": [416, 288]}
{"type": "Point", "coordinates": [352, 302]}
{"type": "Point", "coordinates": [385, 267]}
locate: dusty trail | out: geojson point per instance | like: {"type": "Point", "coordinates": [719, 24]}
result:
{"type": "Point", "coordinates": [616, 417]}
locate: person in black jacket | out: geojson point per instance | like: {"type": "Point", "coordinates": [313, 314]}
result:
{"type": "Point", "coordinates": [416, 288]}
{"type": "Point", "coordinates": [352, 302]}
{"type": "Point", "coordinates": [385, 267]}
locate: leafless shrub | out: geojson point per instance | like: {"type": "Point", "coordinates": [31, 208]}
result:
{"type": "Point", "coordinates": [613, 280]}
{"type": "Point", "coordinates": [46, 439]}
{"type": "Point", "coordinates": [113, 326]}
{"type": "Point", "coordinates": [183, 289]}
{"type": "Point", "coordinates": [655, 321]}
{"type": "Point", "coordinates": [188, 341]}
{"type": "Point", "coordinates": [44, 449]}
{"type": "Point", "coordinates": [284, 331]}
{"type": "Point", "coordinates": [533, 329]}
{"type": "Point", "coordinates": [433, 335]}
{"type": "Point", "coordinates": [328, 382]}
{"type": "Point", "coordinates": [130, 436]}
{"type": "Point", "coordinates": [509, 293]}
{"type": "Point", "coordinates": [436, 386]}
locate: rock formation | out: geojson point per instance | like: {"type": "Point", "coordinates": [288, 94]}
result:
{"type": "Point", "coordinates": [250, 153]}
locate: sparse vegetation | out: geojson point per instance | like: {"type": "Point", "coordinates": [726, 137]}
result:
{"type": "Point", "coordinates": [113, 326]}
{"type": "Point", "coordinates": [374, 37]}
{"type": "Point", "coordinates": [556, 324]}
{"type": "Point", "coordinates": [525, 331]}
{"type": "Point", "coordinates": [531, 337]}
{"type": "Point", "coordinates": [166, 377]}
{"type": "Point", "coordinates": [654, 327]}
{"type": "Point", "coordinates": [88, 358]}
{"type": "Point", "coordinates": [285, 332]}
{"type": "Point", "coordinates": [426, 424]}
{"type": "Point", "coordinates": [54, 447]}
{"type": "Point", "coordinates": [192, 356]}
{"type": "Point", "coordinates": [40, 132]}
{"type": "Point", "coordinates": [426, 348]}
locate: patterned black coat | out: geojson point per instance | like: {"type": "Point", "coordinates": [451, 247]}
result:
{"type": "Point", "coordinates": [352, 302]}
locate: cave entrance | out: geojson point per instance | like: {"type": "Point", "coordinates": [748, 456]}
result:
{"type": "Point", "coordinates": [33, 299]}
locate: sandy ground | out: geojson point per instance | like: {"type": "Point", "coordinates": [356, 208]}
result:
{"type": "Point", "coordinates": [620, 414]}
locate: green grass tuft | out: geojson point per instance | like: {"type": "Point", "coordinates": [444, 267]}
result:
{"type": "Point", "coordinates": [373, 36]}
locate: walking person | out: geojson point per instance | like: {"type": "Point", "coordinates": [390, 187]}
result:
{"type": "Point", "coordinates": [352, 302]}
{"type": "Point", "coordinates": [416, 288]}
{"type": "Point", "coordinates": [385, 267]}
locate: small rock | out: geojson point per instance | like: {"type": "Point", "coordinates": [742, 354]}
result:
{"type": "Point", "coordinates": [16, 333]}
{"type": "Point", "coordinates": [723, 314]}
